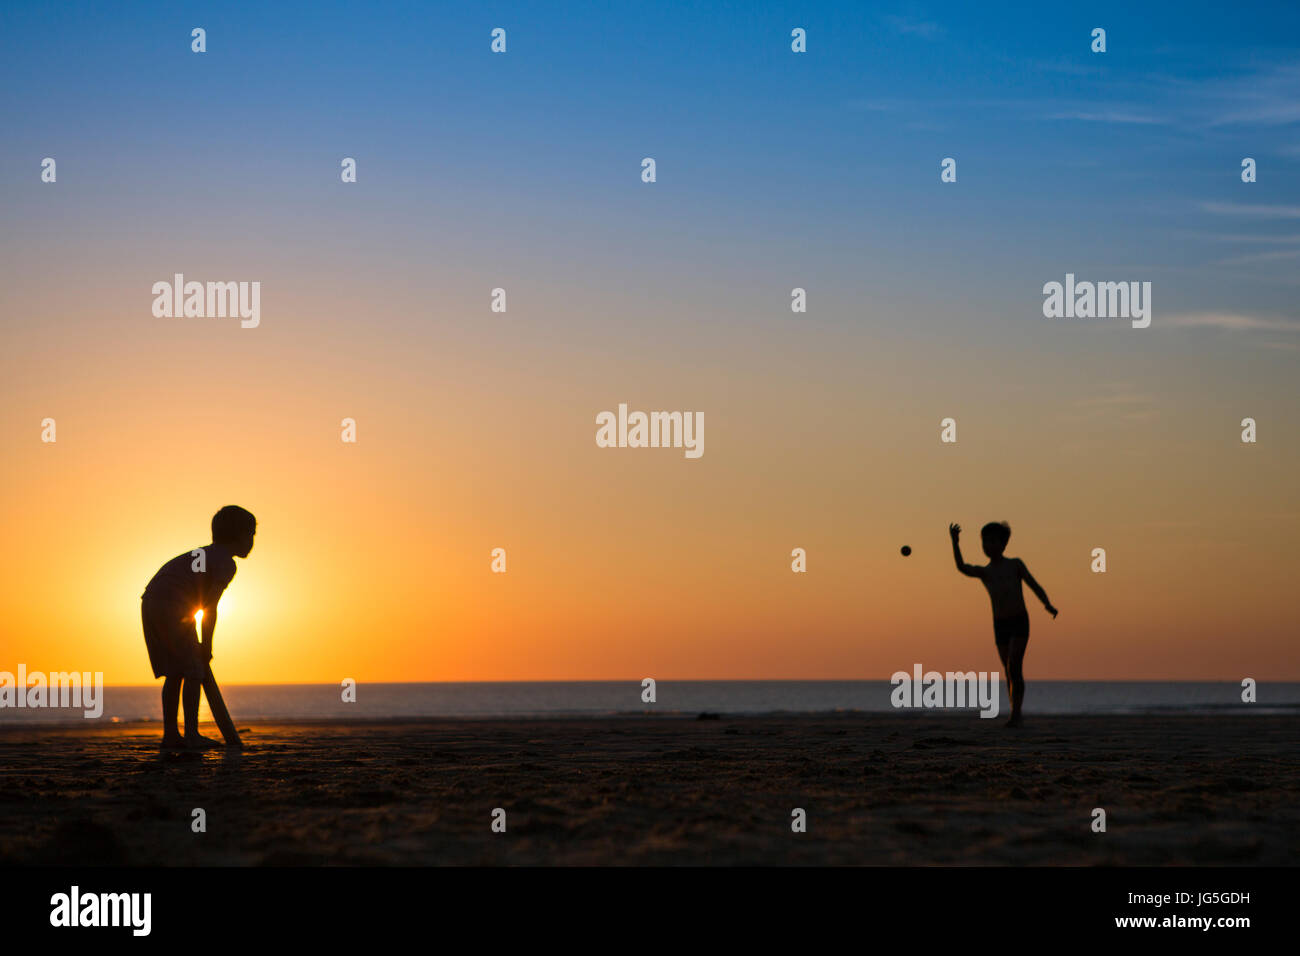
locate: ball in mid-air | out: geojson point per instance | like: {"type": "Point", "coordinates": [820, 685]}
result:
{"type": "Point", "coordinates": [906, 550]}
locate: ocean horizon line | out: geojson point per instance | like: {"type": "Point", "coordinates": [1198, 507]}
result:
{"type": "Point", "coordinates": [710, 680]}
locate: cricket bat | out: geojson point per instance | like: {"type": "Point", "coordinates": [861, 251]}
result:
{"type": "Point", "coordinates": [218, 708]}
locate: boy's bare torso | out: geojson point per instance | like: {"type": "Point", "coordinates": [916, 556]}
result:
{"type": "Point", "coordinates": [178, 586]}
{"type": "Point", "coordinates": [1002, 580]}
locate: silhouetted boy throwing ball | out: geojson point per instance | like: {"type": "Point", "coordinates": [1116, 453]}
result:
{"type": "Point", "coordinates": [1002, 577]}
{"type": "Point", "coordinates": [185, 585]}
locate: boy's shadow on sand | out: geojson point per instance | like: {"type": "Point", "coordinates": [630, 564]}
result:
{"type": "Point", "coordinates": [224, 754]}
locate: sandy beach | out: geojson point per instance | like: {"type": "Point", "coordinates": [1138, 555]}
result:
{"type": "Point", "coordinates": [892, 789]}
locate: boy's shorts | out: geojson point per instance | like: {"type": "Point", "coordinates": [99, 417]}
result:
{"type": "Point", "coordinates": [1011, 628]}
{"type": "Point", "coordinates": [172, 641]}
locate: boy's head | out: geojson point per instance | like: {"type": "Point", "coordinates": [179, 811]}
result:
{"type": "Point", "coordinates": [995, 536]}
{"type": "Point", "coordinates": [233, 528]}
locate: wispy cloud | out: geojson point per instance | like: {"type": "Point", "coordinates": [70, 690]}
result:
{"type": "Point", "coordinates": [913, 27]}
{"type": "Point", "coordinates": [1228, 321]}
{"type": "Point", "coordinates": [877, 105]}
{"type": "Point", "coordinates": [1277, 239]}
{"type": "Point", "coordinates": [1267, 97]}
{"type": "Point", "coordinates": [1106, 116]}
{"type": "Point", "coordinates": [1114, 393]}
{"type": "Point", "coordinates": [1274, 256]}
{"type": "Point", "coordinates": [1068, 67]}
{"type": "Point", "coordinates": [1252, 95]}
{"type": "Point", "coordinates": [1252, 211]}
{"type": "Point", "coordinates": [1116, 400]}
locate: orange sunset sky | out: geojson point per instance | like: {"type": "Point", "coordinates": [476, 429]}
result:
{"type": "Point", "coordinates": [372, 560]}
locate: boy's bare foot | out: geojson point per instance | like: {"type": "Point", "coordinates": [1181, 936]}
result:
{"type": "Point", "coordinates": [173, 742]}
{"type": "Point", "coordinates": [1013, 722]}
{"type": "Point", "coordinates": [199, 742]}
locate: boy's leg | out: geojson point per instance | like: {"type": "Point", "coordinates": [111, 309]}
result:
{"type": "Point", "coordinates": [193, 688]}
{"type": "Point", "coordinates": [1003, 649]}
{"type": "Point", "coordinates": [158, 625]}
{"type": "Point", "coordinates": [171, 699]}
{"type": "Point", "coordinates": [1016, 674]}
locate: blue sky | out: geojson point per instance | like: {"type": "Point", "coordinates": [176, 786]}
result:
{"type": "Point", "coordinates": [1066, 158]}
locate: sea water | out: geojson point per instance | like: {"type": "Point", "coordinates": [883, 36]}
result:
{"type": "Point", "coordinates": [250, 702]}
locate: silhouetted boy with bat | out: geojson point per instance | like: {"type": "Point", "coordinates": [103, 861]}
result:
{"type": "Point", "coordinates": [1002, 577]}
{"type": "Point", "coordinates": [185, 585]}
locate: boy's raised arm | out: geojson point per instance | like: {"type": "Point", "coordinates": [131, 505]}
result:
{"type": "Point", "coordinates": [1037, 589]}
{"type": "Point", "coordinates": [967, 569]}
